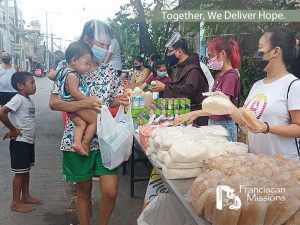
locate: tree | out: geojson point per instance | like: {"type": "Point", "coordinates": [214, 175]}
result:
{"type": "Point", "coordinates": [246, 34]}
{"type": "Point", "coordinates": [58, 56]}
{"type": "Point", "coordinates": [146, 45]}
{"type": "Point", "coordinates": [137, 32]}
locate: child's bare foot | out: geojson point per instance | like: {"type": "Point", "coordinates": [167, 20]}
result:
{"type": "Point", "coordinates": [32, 200]}
{"type": "Point", "coordinates": [21, 207]}
{"type": "Point", "coordinates": [79, 149]}
{"type": "Point", "coordinates": [86, 146]}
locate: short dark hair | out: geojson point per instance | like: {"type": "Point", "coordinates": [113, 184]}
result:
{"type": "Point", "coordinates": [77, 49]}
{"type": "Point", "coordinates": [158, 63]}
{"type": "Point", "coordinates": [19, 78]}
{"type": "Point", "coordinates": [182, 44]}
{"type": "Point", "coordinates": [139, 59]}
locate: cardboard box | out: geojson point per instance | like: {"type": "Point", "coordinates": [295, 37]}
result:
{"type": "Point", "coordinates": [147, 97]}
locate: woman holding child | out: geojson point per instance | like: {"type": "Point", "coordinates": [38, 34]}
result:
{"type": "Point", "coordinates": [104, 88]}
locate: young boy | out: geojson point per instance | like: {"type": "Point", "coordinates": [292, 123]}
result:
{"type": "Point", "coordinates": [22, 134]}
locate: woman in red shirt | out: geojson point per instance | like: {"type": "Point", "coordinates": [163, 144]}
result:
{"type": "Point", "coordinates": [224, 56]}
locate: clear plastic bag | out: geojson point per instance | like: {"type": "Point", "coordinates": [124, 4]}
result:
{"type": "Point", "coordinates": [249, 118]}
{"type": "Point", "coordinates": [217, 105]}
{"type": "Point", "coordinates": [163, 210]}
{"type": "Point", "coordinates": [115, 136]}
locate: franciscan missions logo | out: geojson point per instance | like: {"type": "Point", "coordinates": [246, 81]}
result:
{"type": "Point", "coordinates": [230, 195]}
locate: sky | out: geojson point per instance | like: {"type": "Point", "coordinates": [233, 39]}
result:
{"type": "Point", "coordinates": [67, 17]}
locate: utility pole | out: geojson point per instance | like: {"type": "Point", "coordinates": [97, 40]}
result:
{"type": "Point", "coordinates": [7, 26]}
{"type": "Point", "coordinates": [17, 22]}
{"type": "Point", "coordinates": [47, 52]}
{"type": "Point", "coordinates": [52, 53]}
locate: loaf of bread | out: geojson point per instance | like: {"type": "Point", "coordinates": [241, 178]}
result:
{"type": "Point", "coordinates": [249, 118]}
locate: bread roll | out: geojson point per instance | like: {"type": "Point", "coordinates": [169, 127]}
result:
{"type": "Point", "coordinates": [225, 216]}
{"type": "Point", "coordinates": [210, 204]}
{"type": "Point", "coordinates": [253, 213]}
{"type": "Point", "coordinates": [294, 220]}
{"type": "Point", "coordinates": [217, 105]}
{"type": "Point", "coordinates": [249, 118]}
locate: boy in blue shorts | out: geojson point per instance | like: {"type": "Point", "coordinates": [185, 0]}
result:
{"type": "Point", "coordinates": [21, 133]}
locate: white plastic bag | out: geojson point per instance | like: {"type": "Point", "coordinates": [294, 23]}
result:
{"type": "Point", "coordinates": [115, 136]}
{"type": "Point", "coordinates": [163, 210]}
{"type": "Point", "coordinates": [217, 105]}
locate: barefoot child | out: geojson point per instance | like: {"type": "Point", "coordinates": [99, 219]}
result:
{"type": "Point", "coordinates": [73, 88]}
{"type": "Point", "coordinates": [22, 134]}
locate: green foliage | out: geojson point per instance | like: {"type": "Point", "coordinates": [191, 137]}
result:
{"type": "Point", "coordinates": [59, 56]}
{"type": "Point", "coordinates": [127, 25]}
{"type": "Point", "coordinates": [246, 34]}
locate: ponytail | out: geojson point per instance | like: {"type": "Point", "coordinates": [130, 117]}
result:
{"type": "Point", "coordinates": [236, 58]}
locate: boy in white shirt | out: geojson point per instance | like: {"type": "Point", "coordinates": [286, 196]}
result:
{"type": "Point", "coordinates": [21, 127]}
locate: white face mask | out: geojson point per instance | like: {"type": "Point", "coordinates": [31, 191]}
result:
{"type": "Point", "coordinates": [99, 53]}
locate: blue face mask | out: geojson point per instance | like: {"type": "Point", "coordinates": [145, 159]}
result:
{"type": "Point", "coordinates": [99, 53]}
{"type": "Point", "coordinates": [161, 74]}
{"type": "Point", "coordinates": [137, 67]}
{"type": "Point", "coordinates": [172, 59]}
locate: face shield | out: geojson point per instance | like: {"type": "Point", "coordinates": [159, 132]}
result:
{"type": "Point", "coordinates": [175, 37]}
{"type": "Point", "coordinates": [102, 32]}
{"type": "Point", "coordinates": [101, 40]}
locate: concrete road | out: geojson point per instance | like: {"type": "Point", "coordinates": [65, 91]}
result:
{"type": "Point", "coordinates": [46, 177]}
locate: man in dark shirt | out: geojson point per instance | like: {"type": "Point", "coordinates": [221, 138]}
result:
{"type": "Point", "coordinates": [189, 80]}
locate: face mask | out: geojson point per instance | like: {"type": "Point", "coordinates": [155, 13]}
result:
{"type": "Point", "coordinates": [137, 67]}
{"type": "Point", "coordinates": [172, 59]}
{"type": "Point", "coordinates": [214, 64]}
{"type": "Point", "coordinates": [161, 74]}
{"type": "Point", "coordinates": [259, 63]}
{"type": "Point", "coordinates": [6, 60]}
{"type": "Point", "coordinates": [99, 53]}
{"type": "Point", "coordinates": [259, 74]}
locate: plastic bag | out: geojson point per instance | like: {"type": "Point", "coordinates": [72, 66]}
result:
{"type": "Point", "coordinates": [217, 105]}
{"type": "Point", "coordinates": [163, 210]}
{"type": "Point", "coordinates": [249, 118]}
{"type": "Point", "coordinates": [115, 136]}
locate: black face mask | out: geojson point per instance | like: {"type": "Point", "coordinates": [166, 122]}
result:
{"type": "Point", "coordinates": [6, 60]}
{"type": "Point", "coordinates": [260, 64]}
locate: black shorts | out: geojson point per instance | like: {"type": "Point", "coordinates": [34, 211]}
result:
{"type": "Point", "coordinates": [21, 156]}
{"type": "Point", "coordinates": [5, 97]}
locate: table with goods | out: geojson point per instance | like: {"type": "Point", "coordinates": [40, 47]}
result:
{"type": "Point", "coordinates": [216, 181]}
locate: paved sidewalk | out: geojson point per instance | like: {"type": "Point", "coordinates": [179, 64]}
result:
{"type": "Point", "coordinates": [46, 180]}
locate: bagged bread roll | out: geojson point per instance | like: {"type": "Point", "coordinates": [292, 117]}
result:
{"type": "Point", "coordinates": [249, 118]}
{"type": "Point", "coordinates": [236, 148]}
{"type": "Point", "coordinates": [180, 173]}
{"type": "Point", "coordinates": [295, 219]}
{"type": "Point", "coordinates": [217, 105]}
{"type": "Point", "coordinates": [177, 165]}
